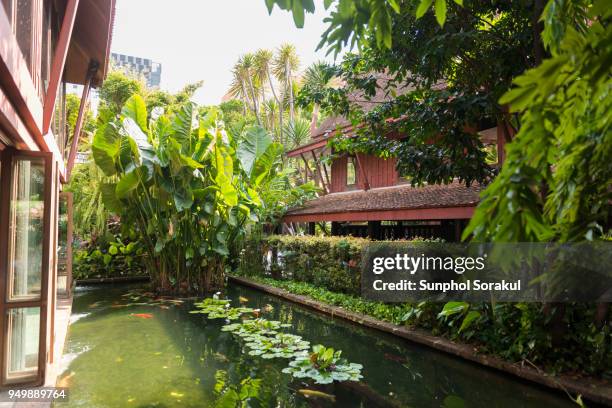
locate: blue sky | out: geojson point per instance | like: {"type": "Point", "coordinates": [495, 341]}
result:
{"type": "Point", "coordinates": [201, 39]}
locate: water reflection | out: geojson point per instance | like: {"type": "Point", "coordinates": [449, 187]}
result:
{"type": "Point", "coordinates": [179, 359]}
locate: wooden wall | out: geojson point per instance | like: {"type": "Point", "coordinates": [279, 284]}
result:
{"type": "Point", "coordinates": [378, 172]}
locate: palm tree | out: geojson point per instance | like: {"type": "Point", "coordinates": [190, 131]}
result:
{"type": "Point", "coordinates": [285, 64]}
{"type": "Point", "coordinates": [269, 108]}
{"type": "Point", "coordinates": [297, 133]}
{"type": "Point", "coordinates": [318, 77]}
{"type": "Point", "coordinates": [245, 83]}
{"type": "Point", "coordinates": [263, 65]}
{"type": "Point", "coordinates": [238, 88]}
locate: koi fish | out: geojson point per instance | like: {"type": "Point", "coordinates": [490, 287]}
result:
{"type": "Point", "coordinates": [317, 394]}
{"type": "Point", "coordinates": [142, 315]}
{"type": "Point", "coordinates": [65, 381]}
{"type": "Point", "coordinates": [222, 358]}
{"type": "Point", "coordinates": [242, 299]}
{"type": "Point", "coordinates": [256, 312]}
{"type": "Point", "coordinates": [397, 359]}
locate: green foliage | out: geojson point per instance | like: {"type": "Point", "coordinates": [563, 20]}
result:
{"type": "Point", "coordinates": [443, 84]}
{"type": "Point", "coordinates": [220, 309]}
{"type": "Point", "coordinates": [555, 182]}
{"type": "Point", "coordinates": [324, 366]}
{"type": "Point", "coordinates": [512, 331]}
{"type": "Point", "coordinates": [330, 262]}
{"type": "Point", "coordinates": [117, 89]}
{"type": "Point", "coordinates": [282, 345]}
{"type": "Point", "coordinates": [351, 21]}
{"type": "Point", "coordinates": [91, 216]}
{"type": "Point", "coordinates": [180, 182]}
{"type": "Point", "coordinates": [264, 338]}
{"type": "Point", "coordinates": [110, 256]}
{"type": "Point", "coordinates": [250, 330]}
{"type": "Point", "coordinates": [73, 103]}
{"type": "Point", "coordinates": [234, 396]}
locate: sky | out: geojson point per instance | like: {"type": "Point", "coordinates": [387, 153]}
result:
{"type": "Point", "coordinates": [202, 39]}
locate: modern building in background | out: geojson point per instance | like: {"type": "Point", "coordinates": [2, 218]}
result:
{"type": "Point", "coordinates": [45, 46]}
{"type": "Point", "coordinates": [149, 70]}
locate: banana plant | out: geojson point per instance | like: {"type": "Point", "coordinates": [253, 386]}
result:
{"type": "Point", "coordinates": [186, 184]}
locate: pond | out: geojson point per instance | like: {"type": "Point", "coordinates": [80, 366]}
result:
{"type": "Point", "coordinates": [136, 355]}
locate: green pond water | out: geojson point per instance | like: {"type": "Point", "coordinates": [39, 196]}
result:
{"type": "Point", "coordinates": [162, 356]}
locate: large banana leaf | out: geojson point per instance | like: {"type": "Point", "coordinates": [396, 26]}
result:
{"type": "Point", "coordinates": [105, 148]}
{"type": "Point", "coordinates": [136, 109]}
{"type": "Point", "coordinates": [255, 141]}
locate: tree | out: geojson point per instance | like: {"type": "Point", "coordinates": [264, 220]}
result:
{"type": "Point", "coordinates": [118, 88]}
{"type": "Point", "coordinates": [245, 84]}
{"type": "Point", "coordinates": [555, 184]}
{"type": "Point", "coordinates": [317, 79]}
{"type": "Point", "coordinates": [286, 64]}
{"type": "Point", "coordinates": [440, 88]}
{"type": "Point", "coordinates": [263, 63]}
{"type": "Point", "coordinates": [247, 71]}
{"type": "Point", "coordinates": [186, 185]}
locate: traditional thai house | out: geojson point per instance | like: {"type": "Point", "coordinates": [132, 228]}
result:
{"type": "Point", "coordinates": [44, 44]}
{"type": "Point", "coordinates": [364, 195]}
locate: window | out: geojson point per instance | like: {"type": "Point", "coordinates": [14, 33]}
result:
{"type": "Point", "coordinates": [45, 60]}
{"type": "Point", "coordinates": [23, 342]}
{"type": "Point", "coordinates": [23, 29]}
{"type": "Point", "coordinates": [351, 172]}
{"type": "Point", "coordinates": [64, 247]}
{"type": "Point", "coordinates": [8, 9]}
{"type": "Point", "coordinates": [26, 223]}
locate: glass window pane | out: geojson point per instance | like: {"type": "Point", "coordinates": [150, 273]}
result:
{"type": "Point", "coordinates": [46, 39]}
{"type": "Point", "coordinates": [22, 345]}
{"type": "Point", "coordinates": [351, 175]}
{"type": "Point", "coordinates": [23, 29]}
{"type": "Point", "coordinates": [8, 9]}
{"type": "Point", "coordinates": [26, 230]}
{"type": "Point", "coordinates": [62, 285]}
{"type": "Point", "coordinates": [64, 252]}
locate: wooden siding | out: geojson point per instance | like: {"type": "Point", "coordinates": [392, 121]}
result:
{"type": "Point", "coordinates": [378, 173]}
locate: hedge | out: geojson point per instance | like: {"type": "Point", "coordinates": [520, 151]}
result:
{"type": "Point", "coordinates": [330, 262]}
{"type": "Point", "coordinates": [328, 269]}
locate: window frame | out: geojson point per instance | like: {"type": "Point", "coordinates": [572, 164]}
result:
{"type": "Point", "coordinates": [46, 301]}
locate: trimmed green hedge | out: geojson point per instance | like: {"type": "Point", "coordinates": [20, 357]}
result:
{"type": "Point", "coordinates": [328, 269]}
{"type": "Point", "coordinates": [333, 263]}
{"type": "Point", "coordinates": [330, 262]}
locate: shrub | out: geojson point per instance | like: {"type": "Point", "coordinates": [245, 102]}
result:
{"type": "Point", "coordinates": [110, 257]}
{"type": "Point", "coordinates": [330, 262]}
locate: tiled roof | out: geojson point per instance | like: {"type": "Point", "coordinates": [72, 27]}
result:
{"type": "Point", "coordinates": [365, 103]}
{"type": "Point", "coordinates": [399, 197]}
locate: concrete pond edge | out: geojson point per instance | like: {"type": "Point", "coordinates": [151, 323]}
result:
{"type": "Point", "coordinates": [596, 391]}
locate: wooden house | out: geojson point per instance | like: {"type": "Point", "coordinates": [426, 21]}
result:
{"type": "Point", "coordinates": [364, 195]}
{"type": "Point", "coordinates": [44, 44]}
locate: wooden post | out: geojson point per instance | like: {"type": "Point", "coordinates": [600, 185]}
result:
{"type": "Point", "coordinates": [93, 68]}
{"type": "Point", "coordinates": [319, 166]}
{"type": "Point", "coordinates": [58, 63]}
{"type": "Point", "coordinates": [366, 182]}
{"type": "Point", "coordinates": [309, 171]}
{"type": "Point", "coordinates": [335, 228]}
{"type": "Point", "coordinates": [374, 230]}
{"type": "Point", "coordinates": [311, 228]}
